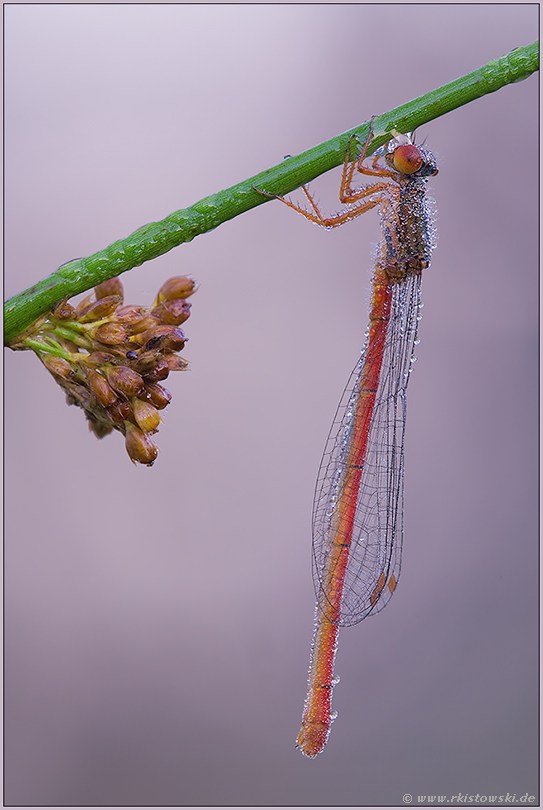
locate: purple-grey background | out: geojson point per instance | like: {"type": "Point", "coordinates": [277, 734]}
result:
{"type": "Point", "coordinates": [158, 621]}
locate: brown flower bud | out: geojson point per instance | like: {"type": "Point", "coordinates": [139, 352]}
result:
{"type": "Point", "coordinates": [141, 326]}
{"type": "Point", "coordinates": [100, 309]}
{"type": "Point", "coordinates": [98, 428]}
{"type": "Point", "coordinates": [164, 337]}
{"type": "Point", "coordinates": [110, 333]}
{"type": "Point", "coordinates": [68, 345]}
{"type": "Point", "coordinates": [112, 286]}
{"type": "Point", "coordinates": [139, 445]}
{"type": "Point", "coordinates": [176, 363]}
{"type": "Point", "coordinates": [176, 287]}
{"type": "Point", "coordinates": [120, 411]}
{"type": "Point", "coordinates": [174, 312]}
{"type": "Point", "coordinates": [146, 415]}
{"type": "Point", "coordinates": [145, 361]}
{"type": "Point", "coordinates": [78, 395]}
{"type": "Point", "coordinates": [64, 311]}
{"type": "Point", "coordinates": [96, 359]}
{"type": "Point", "coordinates": [58, 366]}
{"type": "Point", "coordinates": [130, 314]}
{"type": "Point", "coordinates": [159, 396]}
{"type": "Point", "coordinates": [124, 380]}
{"type": "Point", "coordinates": [159, 372]}
{"type": "Point", "coordinates": [100, 389]}
{"type": "Point", "coordinates": [83, 306]}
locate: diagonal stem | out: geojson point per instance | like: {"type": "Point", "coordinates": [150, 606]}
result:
{"type": "Point", "coordinates": [156, 238]}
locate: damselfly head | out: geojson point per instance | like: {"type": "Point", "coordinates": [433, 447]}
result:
{"type": "Point", "coordinates": [428, 167]}
{"type": "Point", "coordinates": [412, 160]}
{"type": "Point", "coordinates": [401, 153]}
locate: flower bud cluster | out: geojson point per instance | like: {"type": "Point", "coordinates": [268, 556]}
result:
{"type": "Point", "coordinates": [111, 359]}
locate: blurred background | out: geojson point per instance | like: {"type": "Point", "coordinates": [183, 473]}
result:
{"type": "Point", "coordinates": [158, 621]}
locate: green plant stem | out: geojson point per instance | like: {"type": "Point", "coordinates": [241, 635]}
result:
{"type": "Point", "coordinates": [48, 348]}
{"type": "Point", "coordinates": [156, 238]}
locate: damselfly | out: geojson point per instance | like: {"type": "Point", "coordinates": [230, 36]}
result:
{"type": "Point", "coordinates": [358, 505]}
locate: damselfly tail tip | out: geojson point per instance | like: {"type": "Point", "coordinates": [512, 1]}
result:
{"type": "Point", "coordinates": [307, 746]}
{"type": "Point", "coordinates": [313, 736]}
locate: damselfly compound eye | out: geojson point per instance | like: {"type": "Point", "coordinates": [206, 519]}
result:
{"type": "Point", "coordinates": [407, 159]}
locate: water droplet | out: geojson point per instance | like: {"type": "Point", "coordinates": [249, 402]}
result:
{"type": "Point", "coordinates": [335, 680]}
{"type": "Point", "coordinates": [333, 715]}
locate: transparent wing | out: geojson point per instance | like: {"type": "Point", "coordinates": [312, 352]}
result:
{"type": "Point", "coordinates": [373, 565]}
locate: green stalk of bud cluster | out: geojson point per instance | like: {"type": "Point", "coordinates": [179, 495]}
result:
{"type": "Point", "coordinates": [110, 358]}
